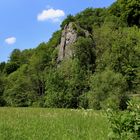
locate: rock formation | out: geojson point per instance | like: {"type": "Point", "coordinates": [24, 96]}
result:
{"type": "Point", "coordinates": [69, 36]}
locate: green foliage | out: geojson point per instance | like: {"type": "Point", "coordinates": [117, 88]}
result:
{"type": "Point", "coordinates": [2, 87]}
{"type": "Point", "coordinates": [55, 40]}
{"type": "Point", "coordinates": [25, 56]}
{"type": "Point", "coordinates": [17, 59]}
{"type": "Point", "coordinates": [91, 17]}
{"type": "Point", "coordinates": [40, 62]}
{"type": "Point", "coordinates": [18, 90]}
{"type": "Point", "coordinates": [106, 86]}
{"type": "Point", "coordinates": [69, 19]}
{"type": "Point", "coordinates": [103, 71]}
{"type": "Point", "coordinates": [120, 52]}
{"type": "Point", "coordinates": [125, 125]}
{"type": "Point", "coordinates": [2, 66]}
{"type": "Point", "coordinates": [25, 85]}
{"type": "Point", "coordinates": [84, 51]}
{"type": "Point", "coordinates": [15, 56]}
{"type": "Point", "coordinates": [80, 31]}
{"type": "Point", "coordinates": [128, 10]}
{"type": "Point", "coordinates": [64, 87]}
{"type": "Point", "coordinates": [11, 67]}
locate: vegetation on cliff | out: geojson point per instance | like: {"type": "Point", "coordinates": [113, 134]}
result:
{"type": "Point", "coordinates": [103, 69]}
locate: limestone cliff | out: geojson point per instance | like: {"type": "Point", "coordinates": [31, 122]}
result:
{"type": "Point", "coordinates": [68, 37]}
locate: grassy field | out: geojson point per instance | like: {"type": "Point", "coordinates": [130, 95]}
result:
{"type": "Point", "coordinates": [52, 124]}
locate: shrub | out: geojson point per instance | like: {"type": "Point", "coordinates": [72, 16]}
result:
{"type": "Point", "coordinates": [107, 88]}
{"type": "Point", "coordinates": [125, 125]}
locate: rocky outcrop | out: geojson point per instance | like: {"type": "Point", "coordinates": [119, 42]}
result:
{"type": "Point", "coordinates": [69, 36]}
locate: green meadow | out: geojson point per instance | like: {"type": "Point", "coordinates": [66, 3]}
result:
{"type": "Point", "coordinates": [52, 124]}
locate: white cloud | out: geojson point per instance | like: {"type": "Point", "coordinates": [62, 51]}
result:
{"type": "Point", "coordinates": [10, 40]}
{"type": "Point", "coordinates": [51, 14]}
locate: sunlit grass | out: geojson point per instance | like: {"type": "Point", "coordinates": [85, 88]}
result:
{"type": "Point", "coordinates": [52, 124]}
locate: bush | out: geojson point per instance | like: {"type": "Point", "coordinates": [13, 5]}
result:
{"type": "Point", "coordinates": [125, 125]}
{"type": "Point", "coordinates": [106, 89]}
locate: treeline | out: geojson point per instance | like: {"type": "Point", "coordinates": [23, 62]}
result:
{"type": "Point", "coordinates": [104, 70]}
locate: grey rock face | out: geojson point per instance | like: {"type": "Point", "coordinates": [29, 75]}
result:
{"type": "Point", "coordinates": [69, 36]}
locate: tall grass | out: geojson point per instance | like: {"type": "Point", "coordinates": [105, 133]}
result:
{"type": "Point", "coordinates": [52, 124]}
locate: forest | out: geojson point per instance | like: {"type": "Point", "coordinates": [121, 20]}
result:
{"type": "Point", "coordinates": [102, 70]}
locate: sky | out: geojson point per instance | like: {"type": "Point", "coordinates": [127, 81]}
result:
{"type": "Point", "coordinates": [26, 23]}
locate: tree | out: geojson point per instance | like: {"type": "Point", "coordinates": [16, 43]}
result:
{"type": "Point", "coordinates": [2, 86]}
{"type": "Point", "coordinates": [84, 51]}
{"type": "Point", "coordinates": [107, 50]}
{"type": "Point", "coordinates": [40, 61]}
{"type": "Point", "coordinates": [15, 56]}
{"type": "Point", "coordinates": [11, 67]}
{"type": "Point", "coordinates": [69, 19]}
{"type": "Point", "coordinates": [90, 18]}
{"type": "Point", "coordinates": [19, 90]}
{"type": "Point", "coordinates": [65, 85]}
{"type": "Point", "coordinates": [106, 86]}
{"type": "Point", "coordinates": [128, 10]}
{"type": "Point", "coordinates": [119, 52]}
{"type": "Point", "coordinates": [2, 66]}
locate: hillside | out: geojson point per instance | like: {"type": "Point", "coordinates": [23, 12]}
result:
{"type": "Point", "coordinates": [91, 62]}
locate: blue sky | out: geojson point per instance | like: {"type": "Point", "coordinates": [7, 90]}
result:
{"type": "Point", "coordinates": [26, 23]}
